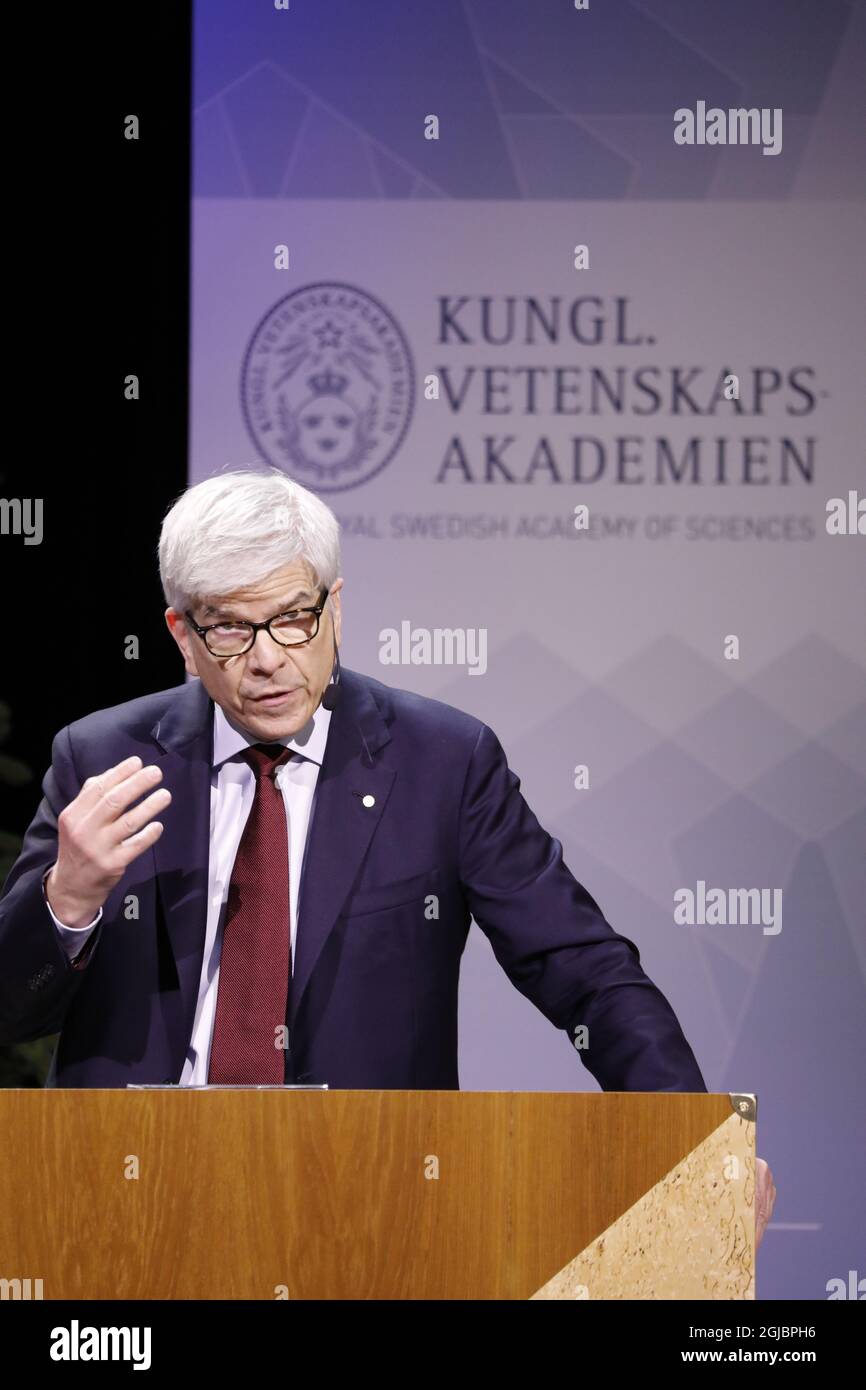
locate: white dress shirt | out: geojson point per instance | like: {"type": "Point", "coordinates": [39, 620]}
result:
{"type": "Point", "coordinates": [233, 787]}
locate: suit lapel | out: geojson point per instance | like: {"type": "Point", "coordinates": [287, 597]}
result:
{"type": "Point", "coordinates": [342, 825]}
{"type": "Point", "coordinates": [339, 836]}
{"type": "Point", "coordinates": [181, 854]}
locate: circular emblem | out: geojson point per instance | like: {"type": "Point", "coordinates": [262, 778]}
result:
{"type": "Point", "coordinates": [327, 386]}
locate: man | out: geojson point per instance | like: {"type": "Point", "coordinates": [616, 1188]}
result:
{"type": "Point", "coordinates": [267, 874]}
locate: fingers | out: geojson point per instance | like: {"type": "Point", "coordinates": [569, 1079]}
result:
{"type": "Point", "coordinates": [95, 787]}
{"type": "Point", "coordinates": [136, 844]}
{"type": "Point", "coordinates": [101, 831]}
{"type": "Point", "coordinates": [129, 824]}
{"type": "Point", "coordinates": [765, 1199]}
{"type": "Point", "coordinates": [103, 799]}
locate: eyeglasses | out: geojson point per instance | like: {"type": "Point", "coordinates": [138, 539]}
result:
{"type": "Point", "coordinates": [292, 629]}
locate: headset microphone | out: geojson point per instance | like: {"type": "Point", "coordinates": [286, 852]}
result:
{"type": "Point", "coordinates": [331, 697]}
{"type": "Point", "coordinates": [332, 691]}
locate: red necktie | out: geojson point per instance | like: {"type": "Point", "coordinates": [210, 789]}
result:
{"type": "Point", "coordinates": [255, 961]}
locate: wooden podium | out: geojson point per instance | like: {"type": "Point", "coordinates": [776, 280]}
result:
{"type": "Point", "coordinates": [312, 1194]}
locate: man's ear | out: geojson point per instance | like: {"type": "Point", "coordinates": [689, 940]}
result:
{"type": "Point", "coordinates": [336, 609]}
{"type": "Point", "coordinates": [177, 626]}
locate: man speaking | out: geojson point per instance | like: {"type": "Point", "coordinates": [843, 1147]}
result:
{"type": "Point", "coordinates": [267, 874]}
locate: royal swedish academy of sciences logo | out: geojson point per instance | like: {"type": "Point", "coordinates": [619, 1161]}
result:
{"type": "Point", "coordinates": [327, 386]}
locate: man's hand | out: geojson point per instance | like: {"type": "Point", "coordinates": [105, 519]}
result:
{"type": "Point", "coordinates": [98, 838]}
{"type": "Point", "coordinates": [765, 1199]}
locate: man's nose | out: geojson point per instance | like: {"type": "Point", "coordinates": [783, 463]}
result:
{"type": "Point", "coordinates": [265, 653]}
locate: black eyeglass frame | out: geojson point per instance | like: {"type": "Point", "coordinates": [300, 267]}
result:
{"type": "Point", "coordinates": [257, 627]}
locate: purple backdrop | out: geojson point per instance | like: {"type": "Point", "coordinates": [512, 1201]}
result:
{"type": "Point", "coordinates": [411, 258]}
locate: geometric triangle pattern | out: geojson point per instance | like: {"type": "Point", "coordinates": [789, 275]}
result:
{"type": "Point", "coordinates": [696, 774]}
{"type": "Point", "coordinates": [534, 101]}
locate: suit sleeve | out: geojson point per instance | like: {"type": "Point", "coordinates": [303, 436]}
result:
{"type": "Point", "coordinates": [37, 979]}
{"type": "Point", "coordinates": [73, 939]}
{"type": "Point", "coordinates": [551, 939]}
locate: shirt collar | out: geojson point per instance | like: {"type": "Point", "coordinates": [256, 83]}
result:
{"type": "Point", "coordinates": [229, 738]}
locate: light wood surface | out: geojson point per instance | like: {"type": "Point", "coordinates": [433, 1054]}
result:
{"type": "Point", "coordinates": [314, 1195]}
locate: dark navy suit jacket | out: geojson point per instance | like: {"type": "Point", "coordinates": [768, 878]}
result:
{"type": "Point", "coordinates": [373, 999]}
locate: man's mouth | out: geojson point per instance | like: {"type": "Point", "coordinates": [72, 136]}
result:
{"type": "Point", "coordinates": [273, 697]}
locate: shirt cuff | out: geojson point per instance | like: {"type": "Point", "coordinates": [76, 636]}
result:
{"type": "Point", "coordinates": [73, 939]}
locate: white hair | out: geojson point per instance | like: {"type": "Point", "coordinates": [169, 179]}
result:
{"type": "Point", "coordinates": [238, 527]}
